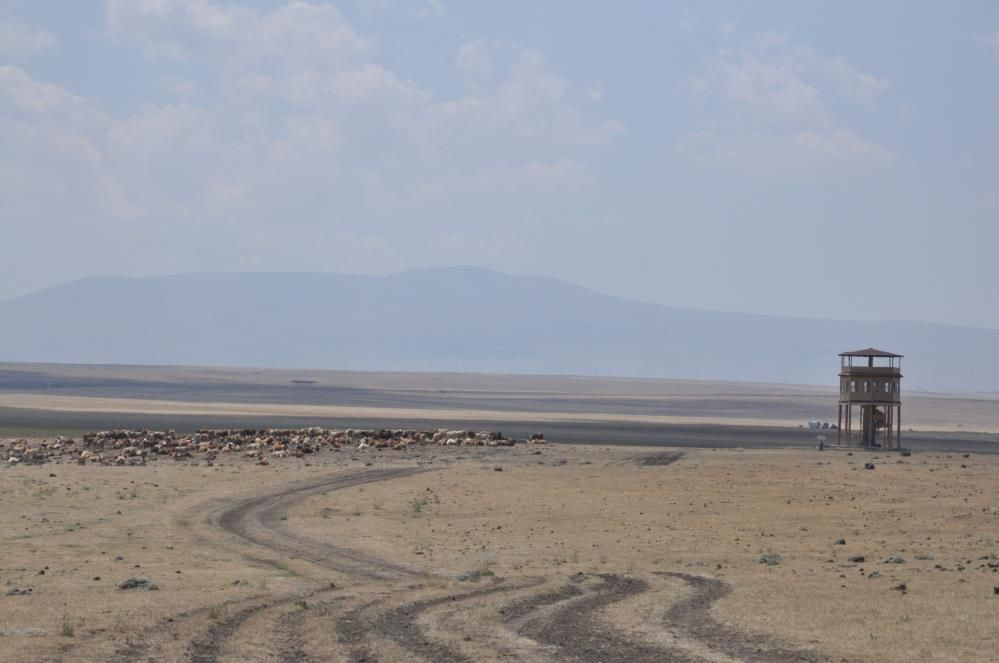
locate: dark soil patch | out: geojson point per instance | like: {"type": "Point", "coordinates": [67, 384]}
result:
{"type": "Point", "coordinates": [692, 616]}
{"type": "Point", "coordinates": [581, 637]}
{"type": "Point", "coordinates": [206, 649]}
{"type": "Point", "coordinates": [515, 611]}
{"type": "Point", "coordinates": [664, 458]}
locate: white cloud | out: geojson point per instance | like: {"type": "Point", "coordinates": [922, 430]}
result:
{"type": "Point", "coordinates": [473, 58]}
{"type": "Point", "coordinates": [726, 28]}
{"type": "Point", "coordinates": [22, 41]}
{"type": "Point", "coordinates": [862, 88]}
{"type": "Point", "coordinates": [283, 127]}
{"type": "Point", "coordinates": [419, 9]}
{"type": "Point", "coordinates": [428, 9]}
{"type": "Point", "coordinates": [771, 89]}
{"type": "Point", "coordinates": [843, 146]}
{"type": "Point", "coordinates": [523, 98]}
{"type": "Point", "coordinates": [770, 108]}
{"type": "Point", "coordinates": [992, 39]}
{"type": "Point", "coordinates": [296, 32]}
{"type": "Point", "coordinates": [21, 93]}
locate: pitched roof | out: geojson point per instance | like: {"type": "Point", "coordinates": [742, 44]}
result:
{"type": "Point", "coordinates": [869, 352]}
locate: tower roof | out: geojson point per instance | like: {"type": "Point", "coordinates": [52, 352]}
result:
{"type": "Point", "coordinates": [869, 352]}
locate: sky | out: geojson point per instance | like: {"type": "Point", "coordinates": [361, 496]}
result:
{"type": "Point", "coordinates": [835, 160]}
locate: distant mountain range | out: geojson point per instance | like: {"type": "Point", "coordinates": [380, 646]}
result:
{"type": "Point", "coordinates": [460, 319]}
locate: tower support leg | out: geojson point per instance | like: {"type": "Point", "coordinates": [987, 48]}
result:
{"type": "Point", "coordinates": [889, 415]}
{"type": "Point", "coordinates": [839, 425]}
{"type": "Point", "coordinates": [898, 434]}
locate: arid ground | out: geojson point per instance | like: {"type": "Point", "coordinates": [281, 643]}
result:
{"type": "Point", "coordinates": [47, 399]}
{"type": "Point", "coordinates": [538, 552]}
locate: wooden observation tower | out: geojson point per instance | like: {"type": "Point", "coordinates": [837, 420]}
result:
{"type": "Point", "coordinates": [870, 379]}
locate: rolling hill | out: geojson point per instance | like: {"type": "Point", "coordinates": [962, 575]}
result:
{"type": "Point", "coordinates": [459, 319]}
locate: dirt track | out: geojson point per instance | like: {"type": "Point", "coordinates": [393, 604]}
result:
{"type": "Point", "coordinates": [386, 611]}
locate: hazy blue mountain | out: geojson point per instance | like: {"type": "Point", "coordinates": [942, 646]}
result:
{"type": "Point", "coordinates": [459, 319]}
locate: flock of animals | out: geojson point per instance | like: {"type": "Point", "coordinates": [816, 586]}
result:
{"type": "Point", "coordinates": [132, 447]}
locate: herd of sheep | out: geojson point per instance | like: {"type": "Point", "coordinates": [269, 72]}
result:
{"type": "Point", "coordinates": [133, 447]}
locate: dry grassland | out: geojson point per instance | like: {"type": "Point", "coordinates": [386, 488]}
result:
{"type": "Point", "coordinates": [563, 542]}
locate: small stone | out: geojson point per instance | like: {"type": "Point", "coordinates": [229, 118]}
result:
{"type": "Point", "coordinates": [137, 583]}
{"type": "Point", "coordinates": [856, 559]}
{"type": "Point", "coordinates": [770, 559]}
{"type": "Point", "coordinates": [19, 591]}
{"type": "Point", "coordinates": [894, 560]}
{"type": "Point", "coordinates": [839, 542]}
{"type": "Point", "coordinates": [868, 466]}
{"type": "Point", "coordinates": [901, 587]}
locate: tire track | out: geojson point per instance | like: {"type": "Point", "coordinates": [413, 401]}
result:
{"type": "Point", "coordinates": [579, 635]}
{"type": "Point", "coordinates": [207, 648]}
{"type": "Point", "coordinates": [575, 630]}
{"type": "Point", "coordinates": [256, 520]}
{"type": "Point", "coordinates": [141, 645]}
{"type": "Point", "coordinates": [247, 517]}
{"type": "Point", "coordinates": [292, 645]}
{"type": "Point", "coordinates": [566, 621]}
{"type": "Point", "coordinates": [692, 617]}
{"type": "Point", "coordinates": [400, 624]}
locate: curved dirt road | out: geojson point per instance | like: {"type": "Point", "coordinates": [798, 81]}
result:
{"type": "Point", "coordinates": [391, 612]}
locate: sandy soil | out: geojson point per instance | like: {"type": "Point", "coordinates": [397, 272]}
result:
{"type": "Point", "coordinates": [535, 553]}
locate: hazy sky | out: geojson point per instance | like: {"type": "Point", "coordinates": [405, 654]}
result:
{"type": "Point", "coordinates": [803, 158]}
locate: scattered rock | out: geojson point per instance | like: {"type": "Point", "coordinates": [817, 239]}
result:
{"type": "Point", "coordinates": [474, 576]}
{"type": "Point", "coordinates": [894, 560]}
{"type": "Point", "coordinates": [136, 447]}
{"type": "Point", "coordinates": [868, 466]}
{"type": "Point", "coordinates": [239, 583]}
{"type": "Point", "coordinates": [856, 559]}
{"type": "Point", "coordinates": [901, 587]}
{"type": "Point", "coordinates": [137, 583]}
{"type": "Point", "coordinates": [19, 591]}
{"type": "Point", "coordinates": [770, 559]}
{"type": "Point", "coordinates": [839, 542]}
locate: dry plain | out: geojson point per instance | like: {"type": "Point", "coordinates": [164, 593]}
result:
{"type": "Point", "coordinates": [605, 551]}
{"type": "Point", "coordinates": [537, 553]}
